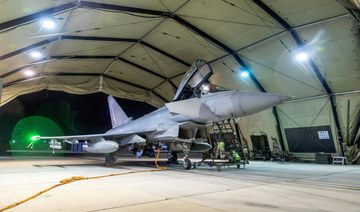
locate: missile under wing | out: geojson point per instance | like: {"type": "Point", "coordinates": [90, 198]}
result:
{"type": "Point", "coordinates": [181, 123]}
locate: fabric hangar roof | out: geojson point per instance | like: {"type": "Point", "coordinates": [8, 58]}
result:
{"type": "Point", "coordinates": [140, 50]}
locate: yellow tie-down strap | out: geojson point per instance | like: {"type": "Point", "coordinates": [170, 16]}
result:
{"type": "Point", "coordinates": [76, 178]}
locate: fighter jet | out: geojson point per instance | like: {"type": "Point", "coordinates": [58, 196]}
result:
{"type": "Point", "coordinates": [180, 124]}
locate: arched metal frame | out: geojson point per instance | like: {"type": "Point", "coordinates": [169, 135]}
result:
{"type": "Point", "coordinates": [85, 4]}
{"type": "Point", "coordinates": [315, 69]}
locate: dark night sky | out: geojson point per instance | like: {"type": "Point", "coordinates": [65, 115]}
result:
{"type": "Point", "coordinates": [75, 114]}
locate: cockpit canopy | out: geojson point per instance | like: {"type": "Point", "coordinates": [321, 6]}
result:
{"type": "Point", "coordinates": [198, 74]}
{"type": "Point", "coordinates": [196, 81]}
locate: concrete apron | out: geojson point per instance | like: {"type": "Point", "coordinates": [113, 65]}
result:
{"type": "Point", "coordinates": [262, 186]}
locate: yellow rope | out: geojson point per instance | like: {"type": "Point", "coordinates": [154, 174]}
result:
{"type": "Point", "coordinates": [76, 178]}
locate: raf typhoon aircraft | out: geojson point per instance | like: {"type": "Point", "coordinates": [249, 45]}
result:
{"type": "Point", "coordinates": [180, 124]}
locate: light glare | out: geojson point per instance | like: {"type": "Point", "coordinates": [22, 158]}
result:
{"type": "Point", "coordinates": [302, 56]}
{"type": "Point", "coordinates": [205, 88]}
{"type": "Point", "coordinates": [48, 24]}
{"type": "Point", "coordinates": [244, 74]}
{"type": "Point", "coordinates": [36, 54]}
{"type": "Point", "coordinates": [29, 73]}
{"type": "Point", "coordinates": [35, 138]}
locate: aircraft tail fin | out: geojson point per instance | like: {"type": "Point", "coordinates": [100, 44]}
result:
{"type": "Point", "coordinates": [118, 116]}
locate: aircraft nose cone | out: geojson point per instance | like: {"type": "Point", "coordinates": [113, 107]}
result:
{"type": "Point", "coordinates": [247, 103]}
{"type": "Point", "coordinates": [284, 98]}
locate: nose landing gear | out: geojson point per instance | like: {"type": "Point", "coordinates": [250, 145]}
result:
{"type": "Point", "coordinates": [186, 164]}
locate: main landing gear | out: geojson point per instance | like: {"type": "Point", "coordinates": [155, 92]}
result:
{"type": "Point", "coordinates": [177, 147]}
{"type": "Point", "coordinates": [110, 159]}
{"type": "Point", "coordinates": [173, 159]}
{"type": "Point", "coordinates": [186, 161]}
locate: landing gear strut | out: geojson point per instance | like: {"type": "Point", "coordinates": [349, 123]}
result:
{"type": "Point", "coordinates": [186, 161]}
{"type": "Point", "coordinates": [181, 146]}
{"type": "Point", "coordinates": [172, 158]}
{"type": "Point", "coordinates": [110, 159]}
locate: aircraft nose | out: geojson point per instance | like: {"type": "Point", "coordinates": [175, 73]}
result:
{"type": "Point", "coordinates": [247, 103]}
{"type": "Point", "coordinates": [283, 98]}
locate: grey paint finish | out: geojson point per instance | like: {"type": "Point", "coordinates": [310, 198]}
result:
{"type": "Point", "coordinates": [163, 126]}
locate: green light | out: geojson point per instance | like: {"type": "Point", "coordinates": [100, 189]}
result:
{"type": "Point", "coordinates": [27, 131]}
{"type": "Point", "coordinates": [35, 138]}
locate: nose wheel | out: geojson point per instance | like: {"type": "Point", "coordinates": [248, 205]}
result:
{"type": "Point", "coordinates": [186, 164]}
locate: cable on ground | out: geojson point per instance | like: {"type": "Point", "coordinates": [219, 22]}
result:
{"type": "Point", "coordinates": [76, 178]}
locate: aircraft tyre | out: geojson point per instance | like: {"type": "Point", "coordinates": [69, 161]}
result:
{"type": "Point", "coordinates": [186, 164]}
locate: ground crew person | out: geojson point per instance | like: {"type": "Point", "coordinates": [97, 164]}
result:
{"type": "Point", "coordinates": [220, 150]}
{"type": "Point", "coordinates": [235, 155]}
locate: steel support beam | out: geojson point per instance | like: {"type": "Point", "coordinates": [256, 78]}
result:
{"type": "Point", "coordinates": [25, 49]}
{"type": "Point", "coordinates": [129, 40]}
{"type": "Point", "coordinates": [81, 57]}
{"type": "Point", "coordinates": [35, 16]}
{"type": "Point", "coordinates": [147, 70]}
{"type": "Point", "coordinates": [315, 69]}
{"type": "Point", "coordinates": [92, 74]}
{"type": "Point", "coordinates": [93, 38]}
{"type": "Point", "coordinates": [90, 38]}
{"type": "Point", "coordinates": [356, 129]}
{"type": "Point", "coordinates": [278, 128]}
{"type": "Point", "coordinates": [337, 123]}
{"type": "Point", "coordinates": [21, 68]}
{"type": "Point", "coordinates": [116, 79]}
{"type": "Point", "coordinates": [223, 46]}
{"type": "Point", "coordinates": [239, 60]}
{"type": "Point", "coordinates": [164, 53]}
{"type": "Point", "coordinates": [14, 71]}
{"type": "Point", "coordinates": [95, 5]}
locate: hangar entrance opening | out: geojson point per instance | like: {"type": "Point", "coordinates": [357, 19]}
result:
{"type": "Point", "coordinates": [260, 146]}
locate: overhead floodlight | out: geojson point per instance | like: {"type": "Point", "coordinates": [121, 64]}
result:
{"type": "Point", "coordinates": [29, 73]}
{"type": "Point", "coordinates": [49, 23]}
{"type": "Point", "coordinates": [302, 56]}
{"type": "Point", "coordinates": [244, 74]}
{"type": "Point", "coordinates": [36, 54]}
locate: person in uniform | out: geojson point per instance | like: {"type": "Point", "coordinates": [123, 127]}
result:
{"type": "Point", "coordinates": [220, 150]}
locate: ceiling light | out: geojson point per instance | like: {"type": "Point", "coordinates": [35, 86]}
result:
{"type": "Point", "coordinates": [244, 73]}
{"type": "Point", "coordinates": [36, 54]}
{"type": "Point", "coordinates": [49, 23]}
{"type": "Point", "coordinates": [302, 56]}
{"type": "Point", "coordinates": [29, 73]}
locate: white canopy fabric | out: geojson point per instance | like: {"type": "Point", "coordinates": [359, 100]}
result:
{"type": "Point", "coordinates": [139, 49]}
{"type": "Point", "coordinates": [106, 38]}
